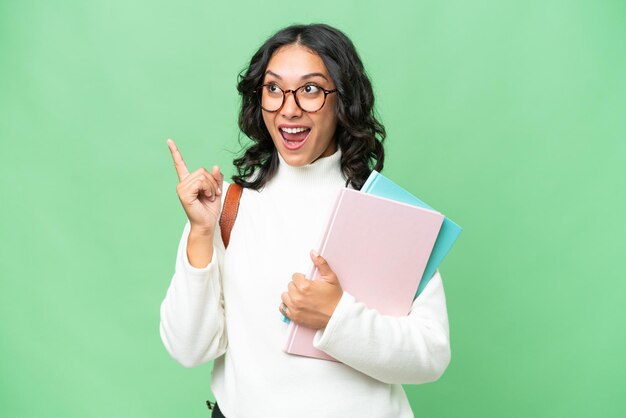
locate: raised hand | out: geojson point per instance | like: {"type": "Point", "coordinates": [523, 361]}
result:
{"type": "Point", "coordinates": [198, 193]}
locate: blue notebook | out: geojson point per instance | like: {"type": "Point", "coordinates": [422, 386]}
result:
{"type": "Point", "coordinates": [379, 185]}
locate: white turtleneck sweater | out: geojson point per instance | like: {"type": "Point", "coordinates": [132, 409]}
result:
{"type": "Point", "coordinates": [228, 311]}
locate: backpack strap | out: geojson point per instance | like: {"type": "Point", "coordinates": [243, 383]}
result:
{"type": "Point", "coordinates": [229, 211]}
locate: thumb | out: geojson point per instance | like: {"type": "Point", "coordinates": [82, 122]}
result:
{"type": "Point", "coordinates": [218, 176]}
{"type": "Point", "coordinates": [321, 264]}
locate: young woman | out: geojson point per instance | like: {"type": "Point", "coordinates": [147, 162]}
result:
{"type": "Point", "coordinates": [307, 105]}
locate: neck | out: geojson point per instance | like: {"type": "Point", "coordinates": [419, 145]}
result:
{"type": "Point", "coordinates": [323, 172]}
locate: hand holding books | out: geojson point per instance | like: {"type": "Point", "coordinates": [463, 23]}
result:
{"type": "Point", "coordinates": [312, 302]}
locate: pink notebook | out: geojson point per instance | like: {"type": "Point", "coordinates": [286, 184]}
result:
{"type": "Point", "coordinates": [379, 249]}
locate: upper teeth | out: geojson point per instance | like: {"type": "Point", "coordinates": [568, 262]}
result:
{"type": "Point", "coordinates": [294, 130]}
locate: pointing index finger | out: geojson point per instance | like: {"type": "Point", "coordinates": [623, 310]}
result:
{"type": "Point", "coordinates": [179, 163]}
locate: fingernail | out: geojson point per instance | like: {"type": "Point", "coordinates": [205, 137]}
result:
{"type": "Point", "coordinates": [315, 253]}
{"type": "Point", "coordinates": [219, 191]}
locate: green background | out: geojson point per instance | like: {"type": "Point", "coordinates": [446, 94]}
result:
{"type": "Point", "coordinates": [509, 117]}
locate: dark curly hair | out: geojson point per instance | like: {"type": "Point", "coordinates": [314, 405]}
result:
{"type": "Point", "coordinates": [359, 134]}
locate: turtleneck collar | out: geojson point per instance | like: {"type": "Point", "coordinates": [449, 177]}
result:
{"type": "Point", "coordinates": [324, 172]}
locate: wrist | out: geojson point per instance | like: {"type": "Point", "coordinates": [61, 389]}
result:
{"type": "Point", "coordinates": [201, 232]}
{"type": "Point", "coordinates": [200, 248]}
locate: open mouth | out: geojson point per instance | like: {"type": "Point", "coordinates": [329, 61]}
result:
{"type": "Point", "coordinates": [294, 138]}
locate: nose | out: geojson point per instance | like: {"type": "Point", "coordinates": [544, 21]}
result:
{"type": "Point", "coordinates": [290, 107]}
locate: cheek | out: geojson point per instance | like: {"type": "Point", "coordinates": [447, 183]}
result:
{"type": "Point", "coordinates": [269, 125]}
{"type": "Point", "coordinates": [328, 125]}
{"type": "Point", "coordinates": [267, 121]}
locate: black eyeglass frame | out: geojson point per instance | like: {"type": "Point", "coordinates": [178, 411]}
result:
{"type": "Point", "coordinates": [258, 92]}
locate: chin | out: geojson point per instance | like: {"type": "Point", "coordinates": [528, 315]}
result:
{"type": "Point", "coordinates": [295, 160]}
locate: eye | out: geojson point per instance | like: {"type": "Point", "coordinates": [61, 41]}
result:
{"type": "Point", "coordinates": [272, 90]}
{"type": "Point", "coordinates": [272, 87]}
{"type": "Point", "coordinates": [311, 89]}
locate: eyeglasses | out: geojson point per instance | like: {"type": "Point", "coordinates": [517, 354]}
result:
{"type": "Point", "coordinates": [310, 97]}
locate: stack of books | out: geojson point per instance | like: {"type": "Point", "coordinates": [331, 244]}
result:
{"type": "Point", "coordinates": [384, 244]}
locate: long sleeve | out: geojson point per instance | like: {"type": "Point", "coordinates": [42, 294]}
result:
{"type": "Point", "coordinates": [192, 324]}
{"type": "Point", "coordinates": [405, 350]}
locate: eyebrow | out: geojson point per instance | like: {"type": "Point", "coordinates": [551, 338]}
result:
{"type": "Point", "coordinates": [304, 77]}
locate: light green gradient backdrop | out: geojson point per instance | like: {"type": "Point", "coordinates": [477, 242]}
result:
{"type": "Point", "coordinates": [508, 116]}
